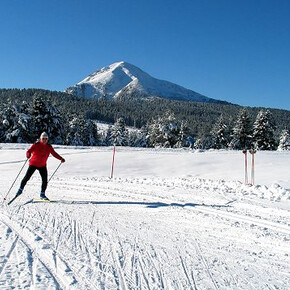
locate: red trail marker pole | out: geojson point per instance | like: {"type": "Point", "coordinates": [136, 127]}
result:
{"type": "Point", "coordinates": [252, 151]}
{"type": "Point", "coordinates": [246, 166]}
{"type": "Point", "coordinates": [113, 162]}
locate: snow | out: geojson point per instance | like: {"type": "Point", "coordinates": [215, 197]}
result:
{"type": "Point", "coordinates": [169, 219]}
{"type": "Point", "coordinates": [119, 77]}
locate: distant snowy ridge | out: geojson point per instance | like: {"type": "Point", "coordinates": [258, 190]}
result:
{"type": "Point", "coordinates": [124, 79]}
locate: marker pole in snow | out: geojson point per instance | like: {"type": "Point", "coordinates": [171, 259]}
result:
{"type": "Point", "coordinates": [246, 166]}
{"type": "Point", "coordinates": [15, 179]}
{"type": "Point", "coordinates": [252, 152]}
{"type": "Point", "coordinates": [113, 162]}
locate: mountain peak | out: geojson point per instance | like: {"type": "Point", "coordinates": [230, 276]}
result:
{"type": "Point", "coordinates": [125, 79]}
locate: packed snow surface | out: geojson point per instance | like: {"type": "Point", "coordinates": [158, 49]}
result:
{"type": "Point", "coordinates": [169, 219]}
{"type": "Point", "coordinates": [124, 78]}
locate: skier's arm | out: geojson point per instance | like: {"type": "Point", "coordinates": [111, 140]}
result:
{"type": "Point", "coordinates": [57, 156]}
{"type": "Point", "coordinates": [30, 150]}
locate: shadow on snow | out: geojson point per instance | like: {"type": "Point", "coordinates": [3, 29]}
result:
{"type": "Point", "coordinates": [147, 204]}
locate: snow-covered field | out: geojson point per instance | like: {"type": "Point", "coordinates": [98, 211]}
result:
{"type": "Point", "coordinates": [169, 219]}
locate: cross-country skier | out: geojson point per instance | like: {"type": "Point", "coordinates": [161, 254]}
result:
{"type": "Point", "coordinates": [38, 154]}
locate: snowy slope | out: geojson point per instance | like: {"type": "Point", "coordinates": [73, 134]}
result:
{"type": "Point", "coordinates": [122, 78]}
{"type": "Point", "coordinates": [170, 219]}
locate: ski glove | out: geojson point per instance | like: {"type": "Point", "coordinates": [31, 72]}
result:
{"type": "Point", "coordinates": [28, 155]}
{"type": "Point", "coordinates": [62, 160]}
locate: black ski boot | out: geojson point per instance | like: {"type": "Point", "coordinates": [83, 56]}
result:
{"type": "Point", "coordinates": [19, 191]}
{"type": "Point", "coordinates": [43, 196]}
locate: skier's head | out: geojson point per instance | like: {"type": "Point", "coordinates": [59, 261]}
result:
{"type": "Point", "coordinates": [44, 137]}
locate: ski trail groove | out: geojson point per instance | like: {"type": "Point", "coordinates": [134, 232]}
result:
{"type": "Point", "coordinates": [8, 255]}
{"type": "Point", "coordinates": [233, 216]}
{"type": "Point", "coordinates": [28, 239]}
{"type": "Point", "coordinates": [187, 276]}
{"type": "Point", "coordinates": [197, 247]}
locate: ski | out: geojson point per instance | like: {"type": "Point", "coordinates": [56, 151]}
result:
{"type": "Point", "coordinates": [41, 200]}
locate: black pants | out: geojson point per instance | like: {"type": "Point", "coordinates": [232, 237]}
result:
{"type": "Point", "coordinates": [30, 171]}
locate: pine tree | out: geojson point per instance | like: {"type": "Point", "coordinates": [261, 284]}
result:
{"type": "Point", "coordinates": [284, 143]}
{"type": "Point", "coordinates": [119, 135]}
{"type": "Point", "coordinates": [153, 136]}
{"type": "Point", "coordinates": [198, 144]}
{"type": "Point", "coordinates": [220, 134]}
{"type": "Point", "coordinates": [75, 134]}
{"type": "Point", "coordinates": [170, 130]}
{"type": "Point", "coordinates": [108, 137]}
{"type": "Point", "coordinates": [90, 133]}
{"type": "Point", "coordinates": [15, 124]}
{"type": "Point", "coordinates": [40, 115]}
{"type": "Point", "coordinates": [55, 125]}
{"type": "Point", "coordinates": [137, 138]}
{"type": "Point", "coordinates": [263, 131]}
{"type": "Point", "coordinates": [242, 135]}
{"type": "Point", "coordinates": [47, 118]}
{"type": "Point", "coordinates": [182, 139]}
{"type": "Point", "coordinates": [166, 131]}
{"type": "Point", "coordinates": [8, 117]}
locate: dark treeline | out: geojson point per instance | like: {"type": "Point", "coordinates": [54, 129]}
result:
{"type": "Point", "coordinates": [200, 118]}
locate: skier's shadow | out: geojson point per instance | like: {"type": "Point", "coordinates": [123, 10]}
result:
{"type": "Point", "coordinates": [147, 204]}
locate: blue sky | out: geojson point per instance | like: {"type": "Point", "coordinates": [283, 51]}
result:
{"type": "Point", "coordinates": [238, 51]}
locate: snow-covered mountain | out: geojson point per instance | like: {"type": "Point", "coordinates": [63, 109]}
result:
{"type": "Point", "coordinates": [124, 79]}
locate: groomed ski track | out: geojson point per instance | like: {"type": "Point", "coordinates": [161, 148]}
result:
{"type": "Point", "coordinates": [145, 233]}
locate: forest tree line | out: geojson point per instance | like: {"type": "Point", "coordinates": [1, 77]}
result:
{"type": "Point", "coordinates": [70, 120]}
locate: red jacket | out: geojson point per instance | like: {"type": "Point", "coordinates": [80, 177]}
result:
{"type": "Point", "coordinates": [40, 153]}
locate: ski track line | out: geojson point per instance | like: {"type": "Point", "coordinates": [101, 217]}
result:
{"type": "Point", "coordinates": [12, 162]}
{"type": "Point", "coordinates": [27, 242]}
{"type": "Point", "coordinates": [32, 268]}
{"type": "Point", "coordinates": [95, 189]}
{"type": "Point", "coordinates": [13, 246]}
{"type": "Point", "coordinates": [237, 217]}
{"type": "Point", "coordinates": [72, 224]}
{"type": "Point", "coordinates": [61, 276]}
{"type": "Point", "coordinates": [122, 280]}
{"type": "Point", "coordinates": [8, 255]}
{"type": "Point", "coordinates": [187, 276]}
{"type": "Point", "coordinates": [119, 265]}
{"type": "Point", "coordinates": [57, 257]}
{"type": "Point", "coordinates": [211, 211]}
{"type": "Point", "coordinates": [141, 265]}
{"type": "Point", "coordinates": [126, 193]}
{"type": "Point", "coordinates": [233, 216]}
{"type": "Point", "coordinates": [198, 250]}
{"type": "Point", "coordinates": [119, 189]}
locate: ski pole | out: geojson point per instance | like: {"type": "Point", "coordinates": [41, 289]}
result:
{"type": "Point", "coordinates": [246, 166]}
{"type": "Point", "coordinates": [54, 172]}
{"type": "Point", "coordinates": [15, 179]}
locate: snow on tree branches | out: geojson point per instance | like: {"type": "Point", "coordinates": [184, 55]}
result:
{"type": "Point", "coordinates": [284, 141]}
{"type": "Point", "coordinates": [263, 131]}
{"type": "Point", "coordinates": [166, 131]}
